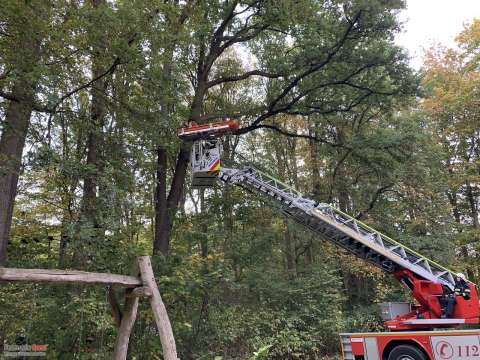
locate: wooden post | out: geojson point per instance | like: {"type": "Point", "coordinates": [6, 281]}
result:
{"type": "Point", "coordinates": [159, 310]}
{"type": "Point", "coordinates": [116, 312]}
{"type": "Point", "coordinates": [126, 326]}
{"type": "Point", "coordinates": [135, 288]}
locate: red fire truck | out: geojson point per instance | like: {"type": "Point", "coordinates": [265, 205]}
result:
{"type": "Point", "coordinates": [444, 299]}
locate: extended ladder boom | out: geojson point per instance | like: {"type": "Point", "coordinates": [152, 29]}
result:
{"type": "Point", "coordinates": [340, 228]}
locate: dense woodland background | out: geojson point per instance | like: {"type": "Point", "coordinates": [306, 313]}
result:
{"type": "Point", "coordinates": [92, 173]}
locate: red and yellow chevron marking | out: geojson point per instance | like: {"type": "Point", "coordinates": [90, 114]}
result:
{"type": "Point", "coordinates": [215, 168]}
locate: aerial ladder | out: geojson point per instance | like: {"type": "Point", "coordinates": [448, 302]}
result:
{"type": "Point", "coordinates": [430, 283]}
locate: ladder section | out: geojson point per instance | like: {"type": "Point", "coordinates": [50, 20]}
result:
{"type": "Point", "coordinates": [335, 226]}
{"type": "Point", "coordinates": [346, 347]}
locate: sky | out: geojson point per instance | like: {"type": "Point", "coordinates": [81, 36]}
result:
{"type": "Point", "coordinates": [432, 21]}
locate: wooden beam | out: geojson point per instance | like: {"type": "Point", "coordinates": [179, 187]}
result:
{"type": "Point", "coordinates": [68, 276]}
{"type": "Point", "coordinates": [159, 310]}
{"type": "Point", "coordinates": [126, 326]}
{"type": "Point", "coordinates": [141, 292]}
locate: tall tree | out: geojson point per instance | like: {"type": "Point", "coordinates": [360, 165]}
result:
{"type": "Point", "coordinates": [452, 83]}
{"type": "Point", "coordinates": [306, 55]}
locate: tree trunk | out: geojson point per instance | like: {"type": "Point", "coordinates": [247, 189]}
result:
{"type": "Point", "coordinates": [452, 198]}
{"type": "Point", "coordinates": [15, 129]}
{"type": "Point", "coordinates": [314, 165]}
{"type": "Point", "coordinates": [227, 206]}
{"type": "Point", "coordinates": [341, 179]}
{"type": "Point", "coordinates": [95, 133]}
{"type": "Point", "coordinates": [165, 220]}
{"type": "Point", "coordinates": [17, 119]}
{"type": "Point", "coordinates": [90, 218]}
{"type": "Point", "coordinates": [68, 194]}
{"type": "Point", "coordinates": [16, 124]}
{"type": "Point", "coordinates": [203, 228]}
{"type": "Point", "coordinates": [288, 240]}
{"type": "Point", "coordinates": [159, 311]}
{"type": "Point", "coordinates": [161, 217]}
{"type": "Point", "coordinates": [472, 202]}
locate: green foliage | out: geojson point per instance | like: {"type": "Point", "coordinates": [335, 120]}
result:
{"type": "Point", "coordinates": [239, 282]}
{"type": "Point", "coordinates": [262, 353]}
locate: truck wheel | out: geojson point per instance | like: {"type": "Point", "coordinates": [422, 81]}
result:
{"type": "Point", "coordinates": [406, 352]}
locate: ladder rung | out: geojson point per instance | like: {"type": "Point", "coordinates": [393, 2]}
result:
{"type": "Point", "coordinates": [440, 274]}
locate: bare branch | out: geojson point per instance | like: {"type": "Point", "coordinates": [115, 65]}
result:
{"type": "Point", "coordinates": [334, 50]}
{"type": "Point", "coordinates": [273, 111]}
{"type": "Point", "coordinates": [375, 198]}
{"type": "Point", "coordinates": [248, 35]}
{"type": "Point", "coordinates": [221, 28]}
{"type": "Point", "coordinates": [110, 70]}
{"type": "Point", "coordinates": [317, 110]}
{"type": "Point", "coordinates": [242, 77]}
{"type": "Point", "coordinates": [216, 48]}
{"type": "Point", "coordinates": [295, 135]}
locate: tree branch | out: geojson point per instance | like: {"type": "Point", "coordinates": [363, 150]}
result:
{"type": "Point", "coordinates": [271, 111]}
{"type": "Point", "coordinates": [374, 199]}
{"type": "Point", "coordinates": [110, 70]}
{"type": "Point", "coordinates": [295, 135]}
{"type": "Point", "coordinates": [242, 77]}
{"type": "Point", "coordinates": [334, 50]}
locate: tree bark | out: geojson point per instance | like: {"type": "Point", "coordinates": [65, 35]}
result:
{"type": "Point", "coordinates": [95, 132]}
{"type": "Point", "coordinates": [16, 124]}
{"type": "Point", "coordinates": [126, 327]}
{"type": "Point", "coordinates": [90, 211]}
{"type": "Point", "coordinates": [161, 218]}
{"type": "Point", "coordinates": [162, 243]}
{"type": "Point", "coordinates": [165, 210]}
{"type": "Point", "coordinates": [452, 198]}
{"type": "Point", "coordinates": [288, 240]}
{"type": "Point", "coordinates": [314, 164]}
{"type": "Point", "coordinates": [204, 228]}
{"type": "Point", "coordinates": [159, 311]}
{"type": "Point", "coordinates": [115, 307]}
{"type": "Point", "coordinates": [472, 202]}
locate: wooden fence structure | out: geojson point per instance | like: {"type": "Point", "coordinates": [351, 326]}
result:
{"type": "Point", "coordinates": [141, 284]}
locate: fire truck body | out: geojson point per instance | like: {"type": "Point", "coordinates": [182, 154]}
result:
{"type": "Point", "coordinates": [412, 345]}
